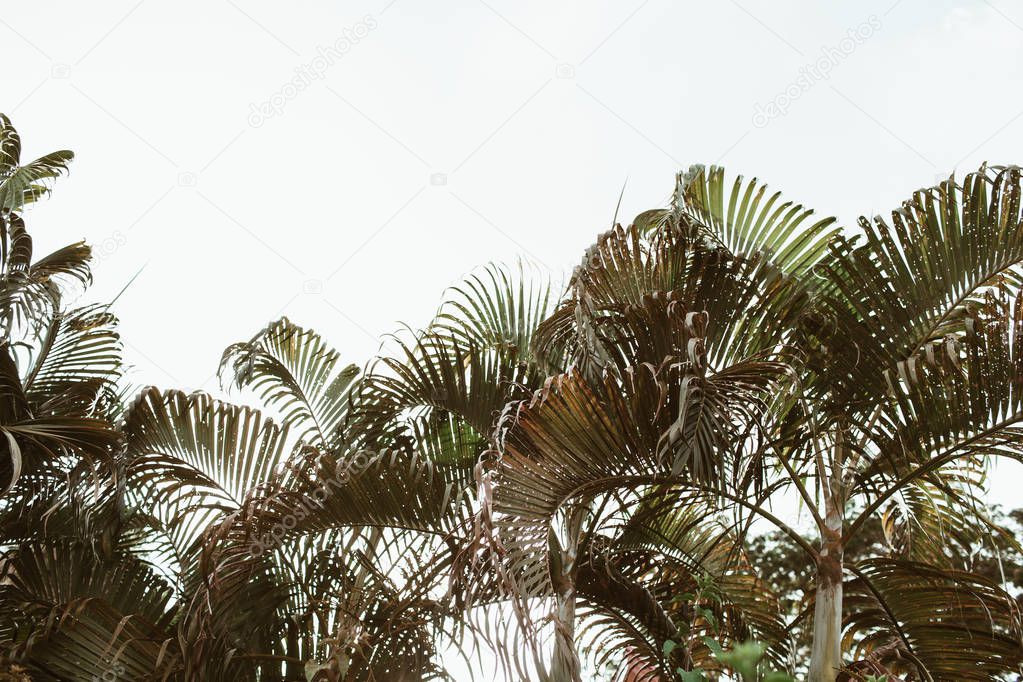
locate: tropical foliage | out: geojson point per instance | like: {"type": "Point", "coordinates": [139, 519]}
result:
{"type": "Point", "coordinates": [587, 483]}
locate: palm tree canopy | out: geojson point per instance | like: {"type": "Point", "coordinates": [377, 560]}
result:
{"type": "Point", "coordinates": [576, 480]}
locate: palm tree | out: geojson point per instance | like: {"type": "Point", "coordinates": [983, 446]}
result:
{"type": "Point", "coordinates": [783, 565]}
{"type": "Point", "coordinates": [59, 473]}
{"type": "Point", "coordinates": [442, 396]}
{"type": "Point", "coordinates": [726, 352]}
{"type": "Point", "coordinates": [206, 540]}
{"type": "Point", "coordinates": [571, 483]}
{"type": "Point", "coordinates": [406, 438]}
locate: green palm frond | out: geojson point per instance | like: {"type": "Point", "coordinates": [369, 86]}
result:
{"type": "Point", "coordinates": [196, 463]}
{"type": "Point", "coordinates": [437, 378]}
{"type": "Point", "coordinates": [194, 445]}
{"type": "Point", "coordinates": [914, 283]}
{"type": "Point", "coordinates": [72, 613]}
{"type": "Point", "coordinates": [498, 310]}
{"type": "Point", "coordinates": [294, 372]}
{"type": "Point", "coordinates": [81, 347]}
{"type": "Point", "coordinates": [22, 184]}
{"type": "Point", "coordinates": [748, 221]}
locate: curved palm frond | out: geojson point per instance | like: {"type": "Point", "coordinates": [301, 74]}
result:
{"type": "Point", "coordinates": [70, 613]}
{"type": "Point", "coordinates": [913, 284]}
{"type": "Point", "coordinates": [293, 371]}
{"type": "Point", "coordinates": [750, 222]}
{"type": "Point", "coordinates": [947, 624]}
{"type": "Point", "coordinates": [750, 304]}
{"type": "Point", "coordinates": [22, 184]}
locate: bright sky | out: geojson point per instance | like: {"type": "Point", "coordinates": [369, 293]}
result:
{"type": "Point", "coordinates": [341, 163]}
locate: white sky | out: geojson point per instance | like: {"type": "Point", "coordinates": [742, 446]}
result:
{"type": "Point", "coordinates": [535, 112]}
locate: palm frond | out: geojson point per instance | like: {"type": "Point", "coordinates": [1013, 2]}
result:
{"type": "Point", "coordinates": [75, 613]}
{"type": "Point", "coordinates": [748, 221]}
{"type": "Point", "coordinates": [22, 184]}
{"type": "Point", "coordinates": [294, 372]}
{"type": "Point", "coordinates": [914, 617]}
{"type": "Point", "coordinates": [914, 283]}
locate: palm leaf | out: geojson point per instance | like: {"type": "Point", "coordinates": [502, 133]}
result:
{"type": "Point", "coordinates": [293, 371]}
{"type": "Point", "coordinates": [951, 624]}
{"type": "Point", "coordinates": [22, 184]}
{"type": "Point", "coordinates": [748, 221]}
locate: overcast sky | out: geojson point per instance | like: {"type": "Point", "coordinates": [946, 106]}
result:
{"type": "Point", "coordinates": [341, 163]}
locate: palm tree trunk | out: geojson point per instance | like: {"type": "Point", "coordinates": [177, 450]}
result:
{"type": "Point", "coordinates": [826, 653]}
{"type": "Point", "coordinates": [565, 665]}
{"type": "Point", "coordinates": [294, 670]}
{"type": "Point", "coordinates": [565, 659]}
